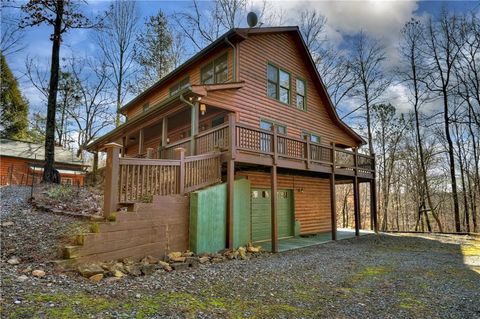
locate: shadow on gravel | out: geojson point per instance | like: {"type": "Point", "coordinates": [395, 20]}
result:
{"type": "Point", "coordinates": [384, 276]}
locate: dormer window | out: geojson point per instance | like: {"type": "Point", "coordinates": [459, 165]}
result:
{"type": "Point", "coordinates": [183, 84]}
{"type": "Point", "coordinates": [215, 71]}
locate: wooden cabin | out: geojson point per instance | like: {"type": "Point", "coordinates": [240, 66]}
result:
{"type": "Point", "coordinates": [249, 106]}
{"type": "Point", "coordinates": [21, 163]}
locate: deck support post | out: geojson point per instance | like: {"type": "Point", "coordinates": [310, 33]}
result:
{"type": "Point", "coordinates": [180, 155]}
{"type": "Point", "coordinates": [110, 191]}
{"type": "Point", "coordinates": [373, 197]}
{"type": "Point", "coordinates": [232, 134]}
{"type": "Point", "coordinates": [230, 206]}
{"type": "Point", "coordinates": [124, 146]}
{"type": "Point", "coordinates": [356, 195]}
{"type": "Point", "coordinates": [273, 197]}
{"type": "Point", "coordinates": [333, 196]}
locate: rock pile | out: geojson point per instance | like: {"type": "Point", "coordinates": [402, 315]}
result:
{"type": "Point", "coordinates": [149, 265]}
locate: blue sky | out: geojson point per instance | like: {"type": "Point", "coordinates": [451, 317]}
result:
{"type": "Point", "coordinates": [344, 19]}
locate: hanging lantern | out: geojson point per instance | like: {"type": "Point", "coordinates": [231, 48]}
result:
{"type": "Point", "coordinates": [203, 108]}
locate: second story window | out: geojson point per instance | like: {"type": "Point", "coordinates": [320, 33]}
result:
{"type": "Point", "coordinates": [215, 71]}
{"type": "Point", "coordinates": [278, 86]}
{"type": "Point", "coordinates": [301, 90]}
{"type": "Point", "coordinates": [176, 88]}
{"type": "Point", "coordinates": [146, 106]}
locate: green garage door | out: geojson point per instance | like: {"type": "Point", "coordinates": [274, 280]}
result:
{"type": "Point", "coordinates": [261, 218]}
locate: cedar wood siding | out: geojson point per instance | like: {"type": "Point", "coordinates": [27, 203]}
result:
{"type": "Point", "coordinates": [192, 72]}
{"type": "Point", "coordinates": [312, 206]}
{"type": "Point", "coordinates": [252, 102]}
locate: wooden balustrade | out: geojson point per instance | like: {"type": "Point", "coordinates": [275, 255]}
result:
{"type": "Point", "coordinates": [139, 179]}
{"type": "Point", "coordinates": [210, 140]}
{"type": "Point", "coordinates": [201, 171]}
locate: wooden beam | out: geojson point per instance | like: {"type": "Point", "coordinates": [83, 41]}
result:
{"type": "Point", "coordinates": [230, 206]}
{"type": "Point", "coordinates": [140, 141]}
{"type": "Point", "coordinates": [356, 196]}
{"type": "Point", "coordinates": [333, 196]}
{"type": "Point", "coordinates": [232, 131]}
{"type": "Point", "coordinates": [110, 191]}
{"type": "Point", "coordinates": [194, 119]}
{"type": "Point", "coordinates": [273, 197]}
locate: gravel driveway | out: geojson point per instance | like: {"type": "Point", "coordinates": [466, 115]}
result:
{"type": "Point", "coordinates": [375, 276]}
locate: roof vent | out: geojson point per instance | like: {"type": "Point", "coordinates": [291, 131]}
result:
{"type": "Point", "coordinates": [252, 19]}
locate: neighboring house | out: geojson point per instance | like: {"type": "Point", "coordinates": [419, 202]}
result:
{"type": "Point", "coordinates": [21, 160]}
{"type": "Point", "coordinates": [255, 99]}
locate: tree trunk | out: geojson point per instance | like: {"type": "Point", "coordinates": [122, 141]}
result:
{"type": "Point", "coordinates": [451, 157]}
{"type": "Point", "coordinates": [50, 175]}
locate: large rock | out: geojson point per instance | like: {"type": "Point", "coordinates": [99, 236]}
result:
{"type": "Point", "coordinates": [89, 270]}
{"type": "Point", "coordinates": [166, 266]}
{"type": "Point", "coordinates": [39, 273]}
{"type": "Point", "coordinates": [242, 253]}
{"type": "Point", "coordinates": [133, 270]}
{"type": "Point", "coordinates": [147, 269]}
{"type": "Point", "coordinates": [174, 254]}
{"type": "Point", "coordinates": [149, 260]}
{"type": "Point", "coordinates": [254, 249]}
{"type": "Point", "coordinates": [192, 261]}
{"type": "Point", "coordinates": [204, 259]}
{"type": "Point", "coordinates": [96, 278]}
{"type": "Point", "coordinates": [14, 260]}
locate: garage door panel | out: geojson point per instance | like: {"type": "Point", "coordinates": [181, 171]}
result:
{"type": "Point", "coordinates": [261, 214]}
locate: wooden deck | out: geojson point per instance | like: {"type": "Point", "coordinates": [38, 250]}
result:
{"type": "Point", "coordinates": [251, 145]}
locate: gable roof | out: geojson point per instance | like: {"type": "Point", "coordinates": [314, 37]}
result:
{"type": "Point", "coordinates": [241, 34]}
{"type": "Point", "coordinates": [28, 150]}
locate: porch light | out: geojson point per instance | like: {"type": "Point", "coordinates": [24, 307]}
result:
{"type": "Point", "coordinates": [203, 108]}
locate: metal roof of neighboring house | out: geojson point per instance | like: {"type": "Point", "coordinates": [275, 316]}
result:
{"type": "Point", "coordinates": [23, 149]}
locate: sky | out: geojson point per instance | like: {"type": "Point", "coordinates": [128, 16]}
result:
{"type": "Point", "coordinates": [378, 19]}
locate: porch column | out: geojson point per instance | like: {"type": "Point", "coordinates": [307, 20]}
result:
{"type": "Point", "coordinates": [194, 127]}
{"type": "Point", "coordinates": [333, 196]}
{"type": "Point", "coordinates": [273, 198]}
{"type": "Point", "coordinates": [164, 142]}
{"type": "Point", "coordinates": [95, 168]}
{"type": "Point", "coordinates": [140, 142]}
{"type": "Point", "coordinates": [124, 145]}
{"type": "Point", "coordinates": [230, 206]}
{"type": "Point", "coordinates": [356, 196]}
{"type": "Point", "coordinates": [110, 191]}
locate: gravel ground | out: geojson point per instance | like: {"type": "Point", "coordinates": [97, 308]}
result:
{"type": "Point", "coordinates": [375, 276]}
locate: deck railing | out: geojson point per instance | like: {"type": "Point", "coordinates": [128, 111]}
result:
{"type": "Point", "coordinates": [139, 179]}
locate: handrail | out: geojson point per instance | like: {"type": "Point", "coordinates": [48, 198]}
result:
{"type": "Point", "coordinates": [213, 129]}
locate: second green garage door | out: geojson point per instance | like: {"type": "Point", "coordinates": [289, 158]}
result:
{"type": "Point", "coordinates": [261, 217]}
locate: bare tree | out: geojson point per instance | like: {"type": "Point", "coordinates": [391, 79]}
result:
{"type": "Point", "coordinates": [92, 114]}
{"type": "Point", "coordinates": [411, 52]}
{"type": "Point", "coordinates": [371, 81]}
{"type": "Point", "coordinates": [12, 35]}
{"type": "Point", "coordinates": [444, 54]}
{"type": "Point", "coordinates": [116, 40]}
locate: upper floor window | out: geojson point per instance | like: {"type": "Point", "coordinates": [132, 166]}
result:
{"type": "Point", "coordinates": [312, 137]}
{"type": "Point", "coordinates": [268, 125]}
{"type": "Point", "coordinates": [278, 86]}
{"type": "Point", "coordinates": [146, 105]}
{"type": "Point", "coordinates": [183, 84]}
{"type": "Point", "coordinates": [215, 71]}
{"type": "Point", "coordinates": [301, 90]}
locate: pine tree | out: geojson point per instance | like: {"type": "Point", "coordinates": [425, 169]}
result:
{"type": "Point", "coordinates": [153, 53]}
{"type": "Point", "coordinates": [14, 116]}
